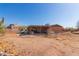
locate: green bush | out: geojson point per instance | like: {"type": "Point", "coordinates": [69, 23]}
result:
{"type": "Point", "coordinates": [2, 28]}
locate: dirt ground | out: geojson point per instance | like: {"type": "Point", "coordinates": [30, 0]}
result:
{"type": "Point", "coordinates": [65, 44]}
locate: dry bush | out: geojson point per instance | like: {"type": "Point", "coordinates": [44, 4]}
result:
{"type": "Point", "coordinates": [11, 49]}
{"type": "Point", "coordinates": [8, 48]}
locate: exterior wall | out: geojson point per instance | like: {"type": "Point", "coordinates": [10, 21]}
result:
{"type": "Point", "coordinates": [13, 27]}
{"type": "Point", "coordinates": [55, 29]}
{"type": "Point", "coordinates": [40, 29]}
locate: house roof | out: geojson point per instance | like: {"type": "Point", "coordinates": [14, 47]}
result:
{"type": "Point", "coordinates": [56, 25]}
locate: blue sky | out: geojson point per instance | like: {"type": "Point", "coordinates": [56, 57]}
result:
{"type": "Point", "coordinates": [66, 15]}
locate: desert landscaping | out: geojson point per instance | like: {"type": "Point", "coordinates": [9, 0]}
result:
{"type": "Point", "coordinates": [64, 44]}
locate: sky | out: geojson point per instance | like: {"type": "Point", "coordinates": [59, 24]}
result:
{"type": "Point", "coordinates": [66, 14]}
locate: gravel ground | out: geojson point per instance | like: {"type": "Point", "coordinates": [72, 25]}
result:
{"type": "Point", "coordinates": [66, 44]}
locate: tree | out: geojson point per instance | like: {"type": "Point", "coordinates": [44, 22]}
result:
{"type": "Point", "coordinates": [47, 24]}
{"type": "Point", "coordinates": [2, 28]}
{"type": "Point", "coordinates": [78, 25]}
